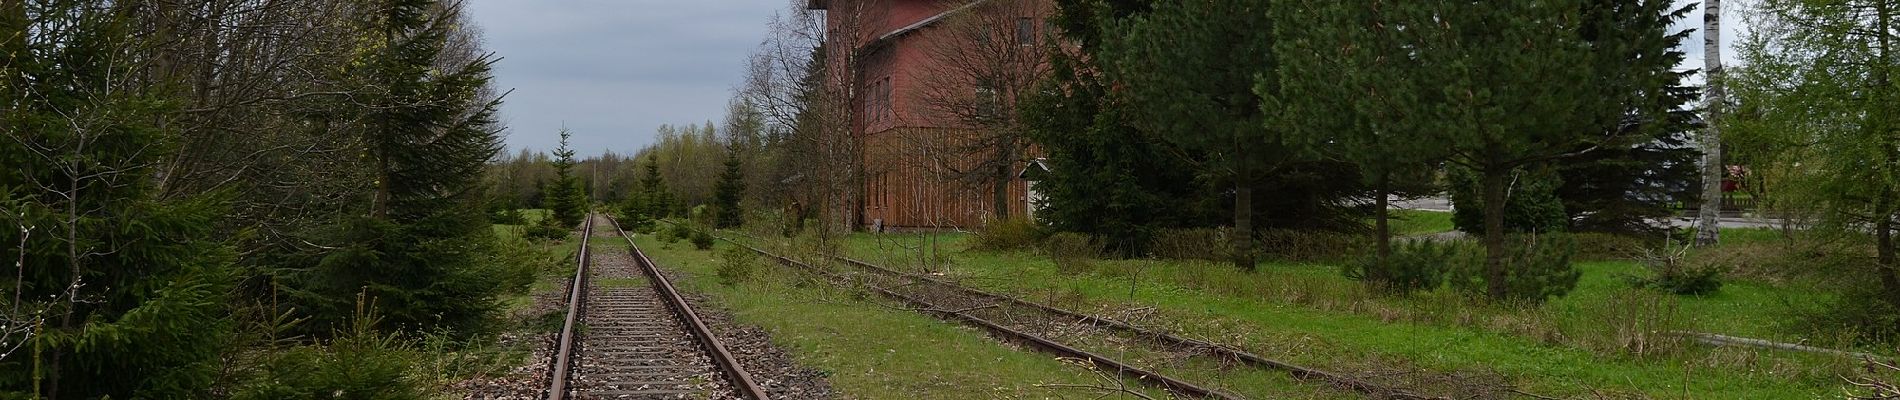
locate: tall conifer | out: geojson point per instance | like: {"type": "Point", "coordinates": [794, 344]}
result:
{"type": "Point", "coordinates": [564, 196]}
{"type": "Point", "coordinates": [118, 293]}
{"type": "Point", "coordinates": [427, 133]}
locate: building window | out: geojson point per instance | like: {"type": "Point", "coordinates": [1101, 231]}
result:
{"type": "Point", "coordinates": [884, 98]}
{"type": "Point", "coordinates": [870, 102]}
{"type": "Point", "coordinates": [1025, 31]}
{"type": "Point", "coordinates": [986, 101]}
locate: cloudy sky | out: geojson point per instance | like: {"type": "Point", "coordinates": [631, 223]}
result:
{"type": "Point", "coordinates": [613, 70]}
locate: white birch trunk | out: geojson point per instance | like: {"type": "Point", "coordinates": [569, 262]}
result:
{"type": "Point", "coordinates": [1707, 227]}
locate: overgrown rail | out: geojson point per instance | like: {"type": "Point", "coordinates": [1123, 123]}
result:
{"type": "Point", "coordinates": [1199, 347]}
{"type": "Point", "coordinates": [1104, 363]}
{"type": "Point", "coordinates": [622, 339]}
{"type": "Point", "coordinates": [1169, 339]}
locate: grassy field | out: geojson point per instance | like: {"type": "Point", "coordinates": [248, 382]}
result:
{"type": "Point", "coordinates": [1603, 338]}
{"type": "Point", "coordinates": [1419, 222]}
{"type": "Point", "coordinates": [873, 350]}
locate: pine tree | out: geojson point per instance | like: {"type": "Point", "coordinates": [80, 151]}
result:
{"type": "Point", "coordinates": [1352, 100]}
{"type": "Point", "coordinates": [564, 197]}
{"type": "Point", "coordinates": [1551, 78]}
{"type": "Point", "coordinates": [419, 251]}
{"type": "Point", "coordinates": [119, 293]}
{"type": "Point", "coordinates": [730, 189]}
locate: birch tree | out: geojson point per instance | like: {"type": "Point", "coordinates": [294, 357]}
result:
{"type": "Point", "coordinates": [1708, 215]}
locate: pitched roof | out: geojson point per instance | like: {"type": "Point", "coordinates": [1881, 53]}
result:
{"type": "Point", "coordinates": [921, 24]}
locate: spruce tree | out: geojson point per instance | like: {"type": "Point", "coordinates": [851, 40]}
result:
{"type": "Point", "coordinates": [1213, 113]}
{"type": "Point", "coordinates": [729, 190]}
{"type": "Point", "coordinates": [657, 199]}
{"type": "Point", "coordinates": [1131, 186]}
{"type": "Point", "coordinates": [564, 197]}
{"type": "Point", "coordinates": [417, 253]}
{"type": "Point", "coordinates": [119, 293]}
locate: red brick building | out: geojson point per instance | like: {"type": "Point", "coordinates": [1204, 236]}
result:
{"type": "Point", "coordinates": [925, 76]}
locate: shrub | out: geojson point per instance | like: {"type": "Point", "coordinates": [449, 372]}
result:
{"type": "Point", "coordinates": [1072, 252]}
{"type": "Point", "coordinates": [702, 240]}
{"type": "Point", "coordinates": [1413, 266]}
{"type": "Point", "coordinates": [1311, 246]}
{"type": "Point", "coordinates": [703, 215]}
{"type": "Point", "coordinates": [680, 231]}
{"type": "Point", "coordinates": [510, 216]}
{"type": "Point", "coordinates": [1009, 234]}
{"type": "Point", "coordinates": [1536, 268]}
{"type": "Point", "coordinates": [1211, 244]}
{"type": "Point", "coordinates": [547, 229]}
{"type": "Point", "coordinates": [737, 265]}
{"type": "Point", "coordinates": [358, 364]}
{"type": "Point", "coordinates": [1532, 205]}
{"type": "Point", "coordinates": [517, 262]}
{"type": "Point", "coordinates": [665, 236]}
{"type": "Point", "coordinates": [1670, 271]}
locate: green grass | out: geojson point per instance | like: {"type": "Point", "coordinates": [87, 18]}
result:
{"type": "Point", "coordinates": [1750, 235]}
{"type": "Point", "coordinates": [1309, 314]}
{"type": "Point", "coordinates": [1419, 222]}
{"type": "Point", "coordinates": [869, 349]}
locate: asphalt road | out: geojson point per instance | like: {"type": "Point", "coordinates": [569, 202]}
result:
{"type": "Point", "coordinates": [1441, 204]}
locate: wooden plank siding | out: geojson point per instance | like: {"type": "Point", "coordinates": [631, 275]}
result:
{"type": "Point", "coordinates": [919, 178]}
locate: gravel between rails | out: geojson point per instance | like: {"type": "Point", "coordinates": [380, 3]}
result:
{"type": "Point", "coordinates": [770, 365]}
{"type": "Point", "coordinates": [774, 368]}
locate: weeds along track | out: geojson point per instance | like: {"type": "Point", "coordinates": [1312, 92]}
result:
{"type": "Point", "coordinates": [1086, 336]}
{"type": "Point", "coordinates": [1169, 342]}
{"type": "Point", "coordinates": [629, 334]}
{"type": "Point", "coordinates": [1011, 331]}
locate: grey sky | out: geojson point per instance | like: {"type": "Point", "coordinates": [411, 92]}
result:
{"type": "Point", "coordinates": [1733, 27]}
{"type": "Point", "coordinates": [613, 70]}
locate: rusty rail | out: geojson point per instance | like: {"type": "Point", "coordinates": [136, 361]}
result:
{"type": "Point", "coordinates": [1103, 362]}
{"type": "Point", "coordinates": [1296, 371]}
{"type": "Point", "coordinates": [742, 381]}
{"type": "Point", "coordinates": [1229, 352]}
{"type": "Point", "coordinates": [576, 298]}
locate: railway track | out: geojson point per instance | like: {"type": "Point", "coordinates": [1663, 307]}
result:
{"type": "Point", "coordinates": [1172, 341]}
{"type": "Point", "coordinates": [1052, 329]}
{"type": "Point", "coordinates": [1006, 331]}
{"type": "Point", "coordinates": [629, 335]}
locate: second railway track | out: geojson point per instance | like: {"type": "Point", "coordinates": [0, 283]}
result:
{"type": "Point", "coordinates": [630, 335]}
{"type": "Point", "coordinates": [1055, 330]}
